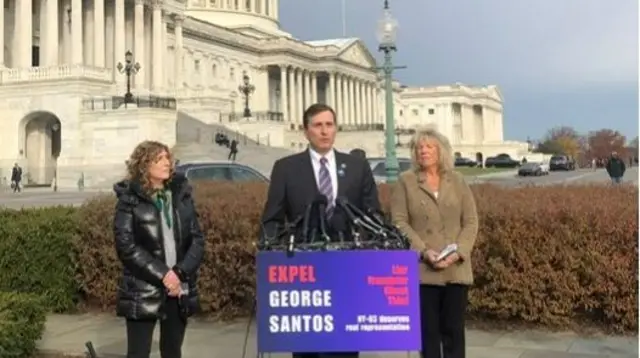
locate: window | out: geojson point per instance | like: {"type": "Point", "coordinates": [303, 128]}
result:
{"type": "Point", "coordinates": [415, 112]}
{"type": "Point", "coordinates": [216, 173]}
{"type": "Point", "coordinates": [196, 65]}
{"type": "Point", "coordinates": [244, 174]}
{"type": "Point", "coordinates": [432, 111]}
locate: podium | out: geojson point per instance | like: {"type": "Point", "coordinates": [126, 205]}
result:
{"type": "Point", "coordinates": [338, 301]}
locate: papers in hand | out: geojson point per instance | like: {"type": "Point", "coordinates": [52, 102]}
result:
{"type": "Point", "coordinates": [450, 249]}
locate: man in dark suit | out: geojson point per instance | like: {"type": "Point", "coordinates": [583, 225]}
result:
{"type": "Point", "coordinates": [296, 181]}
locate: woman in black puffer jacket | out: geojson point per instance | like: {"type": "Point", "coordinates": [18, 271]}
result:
{"type": "Point", "coordinates": [160, 244]}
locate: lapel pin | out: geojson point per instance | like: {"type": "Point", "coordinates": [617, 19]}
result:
{"type": "Point", "coordinates": [341, 171]}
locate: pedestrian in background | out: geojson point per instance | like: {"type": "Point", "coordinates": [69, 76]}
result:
{"type": "Point", "coordinates": [616, 168]}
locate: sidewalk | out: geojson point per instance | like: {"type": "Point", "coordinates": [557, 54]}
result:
{"type": "Point", "coordinates": [68, 334]}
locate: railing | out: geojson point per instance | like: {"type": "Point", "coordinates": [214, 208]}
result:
{"type": "Point", "coordinates": [115, 102]}
{"type": "Point", "coordinates": [35, 74]}
{"type": "Point", "coordinates": [256, 116]}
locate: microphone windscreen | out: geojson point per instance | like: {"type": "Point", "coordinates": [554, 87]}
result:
{"type": "Point", "coordinates": [320, 199]}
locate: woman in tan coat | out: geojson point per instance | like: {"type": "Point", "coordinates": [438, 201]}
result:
{"type": "Point", "coordinates": [435, 207]}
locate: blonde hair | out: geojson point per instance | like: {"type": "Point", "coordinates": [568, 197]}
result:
{"type": "Point", "coordinates": [141, 159]}
{"type": "Point", "coordinates": [445, 155]}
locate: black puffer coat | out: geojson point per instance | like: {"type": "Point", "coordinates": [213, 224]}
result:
{"type": "Point", "coordinates": [139, 244]}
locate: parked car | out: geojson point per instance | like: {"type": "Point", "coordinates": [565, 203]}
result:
{"type": "Point", "coordinates": [220, 171]}
{"type": "Point", "coordinates": [533, 169]}
{"type": "Point", "coordinates": [562, 162]}
{"type": "Point", "coordinates": [501, 161]}
{"type": "Point", "coordinates": [465, 162]}
{"type": "Point", "coordinates": [379, 171]}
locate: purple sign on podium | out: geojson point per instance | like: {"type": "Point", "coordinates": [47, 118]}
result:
{"type": "Point", "coordinates": [338, 301]}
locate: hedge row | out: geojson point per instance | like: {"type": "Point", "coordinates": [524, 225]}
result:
{"type": "Point", "coordinates": [22, 318]}
{"type": "Point", "coordinates": [551, 256]}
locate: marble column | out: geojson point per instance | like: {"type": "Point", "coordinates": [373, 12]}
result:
{"type": "Point", "coordinates": [156, 61]}
{"type": "Point", "coordinates": [23, 34]}
{"type": "Point", "coordinates": [76, 32]}
{"type": "Point", "coordinates": [178, 52]}
{"type": "Point", "coordinates": [264, 7]}
{"type": "Point", "coordinates": [314, 87]}
{"type": "Point", "coordinates": [331, 91]}
{"type": "Point", "coordinates": [340, 98]}
{"type": "Point", "coordinates": [118, 41]}
{"type": "Point", "coordinates": [292, 111]}
{"type": "Point", "coordinates": [307, 90]}
{"type": "Point", "coordinates": [358, 102]}
{"type": "Point", "coordinates": [166, 19]}
{"type": "Point", "coordinates": [351, 96]}
{"type": "Point", "coordinates": [299, 89]}
{"type": "Point", "coordinates": [2, 64]}
{"type": "Point", "coordinates": [284, 93]}
{"type": "Point", "coordinates": [98, 33]}
{"type": "Point", "coordinates": [138, 52]}
{"type": "Point", "coordinates": [366, 112]}
{"type": "Point", "coordinates": [49, 38]}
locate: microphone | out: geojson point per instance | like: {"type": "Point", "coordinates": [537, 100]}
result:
{"type": "Point", "coordinates": [322, 202]}
{"type": "Point", "coordinates": [264, 241]}
{"type": "Point", "coordinates": [306, 222]}
{"type": "Point", "coordinates": [291, 231]}
{"type": "Point", "coordinates": [357, 217]}
{"type": "Point", "coordinates": [366, 218]}
{"type": "Point", "coordinates": [392, 230]}
{"type": "Point", "coordinates": [377, 216]}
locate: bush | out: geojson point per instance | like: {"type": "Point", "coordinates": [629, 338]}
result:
{"type": "Point", "coordinates": [36, 254]}
{"type": "Point", "coordinates": [550, 256]}
{"type": "Point", "coordinates": [22, 318]}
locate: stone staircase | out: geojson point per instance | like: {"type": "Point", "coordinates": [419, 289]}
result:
{"type": "Point", "coordinates": [195, 142]}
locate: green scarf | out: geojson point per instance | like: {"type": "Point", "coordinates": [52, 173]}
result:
{"type": "Point", "coordinates": [162, 201]}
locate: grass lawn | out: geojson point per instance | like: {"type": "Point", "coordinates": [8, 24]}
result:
{"type": "Point", "coordinates": [467, 171]}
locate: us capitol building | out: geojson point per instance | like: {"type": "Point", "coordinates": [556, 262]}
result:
{"type": "Point", "coordinates": [63, 80]}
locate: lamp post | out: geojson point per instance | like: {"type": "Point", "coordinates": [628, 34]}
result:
{"type": "Point", "coordinates": [246, 88]}
{"type": "Point", "coordinates": [129, 68]}
{"type": "Point", "coordinates": [387, 29]}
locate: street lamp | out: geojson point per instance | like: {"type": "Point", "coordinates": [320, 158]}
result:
{"type": "Point", "coordinates": [129, 68]}
{"type": "Point", "coordinates": [246, 88]}
{"type": "Point", "coordinates": [387, 31]}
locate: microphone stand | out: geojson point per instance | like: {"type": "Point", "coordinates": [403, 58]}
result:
{"type": "Point", "coordinates": [322, 218]}
{"type": "Point", "coordinates": [305, 230]}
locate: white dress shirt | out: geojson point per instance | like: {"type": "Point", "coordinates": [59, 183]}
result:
{"type": "Point", "coordinates": [331, 165]}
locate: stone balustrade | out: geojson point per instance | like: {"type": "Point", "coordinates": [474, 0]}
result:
{"type": "Point", "coordinates": [54, 73]}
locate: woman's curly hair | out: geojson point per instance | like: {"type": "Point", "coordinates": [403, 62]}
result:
{"type": "Point", "coordinates": [141, 159]}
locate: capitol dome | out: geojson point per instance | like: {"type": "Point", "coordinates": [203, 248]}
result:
{"type": "Point", "coordinates": [252, 17]}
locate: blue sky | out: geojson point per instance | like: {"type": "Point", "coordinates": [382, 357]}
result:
{"type": "Point", "coordinates": [557, 62]}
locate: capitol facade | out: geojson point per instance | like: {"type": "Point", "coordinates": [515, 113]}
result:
{"type": "Point", "coordinates": [62, 82]}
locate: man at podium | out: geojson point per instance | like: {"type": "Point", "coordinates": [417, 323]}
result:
{"type": "Point", "coordinates": [296, 180]}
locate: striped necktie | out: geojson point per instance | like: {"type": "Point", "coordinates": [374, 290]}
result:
{"type": "Point", "coordinates": [324, 184]}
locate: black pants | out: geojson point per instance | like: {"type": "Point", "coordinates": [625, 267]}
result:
{"type": "Point", "coordinates": [232, 155]}
{"type": "Point", "coordinates": [442, 313]}
{"type": "Point", "coordinates": [172, 329]}
{"type": "Point", "coordinates": [327, 355]}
